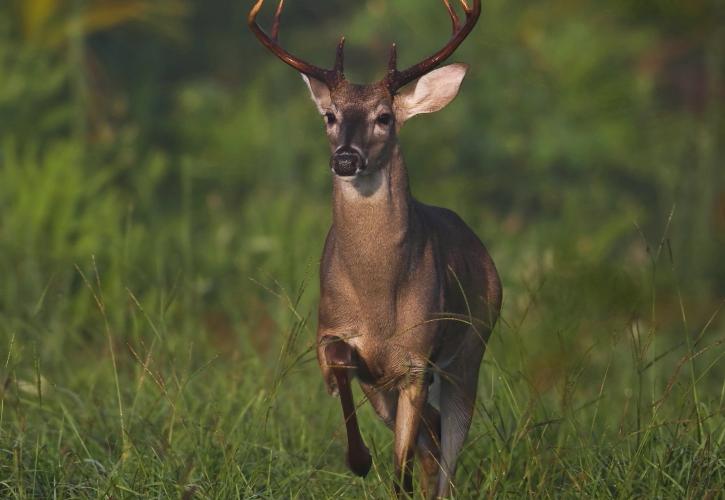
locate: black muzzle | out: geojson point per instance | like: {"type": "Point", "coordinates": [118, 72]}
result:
{"type": "Point", "coordinates": [346, 162]}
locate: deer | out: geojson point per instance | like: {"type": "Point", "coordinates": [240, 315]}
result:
{"type": "Point", "coordinates": [408, 293]}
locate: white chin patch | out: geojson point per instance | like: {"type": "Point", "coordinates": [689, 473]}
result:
{"type": "Point", "coordinates": [364, 184]}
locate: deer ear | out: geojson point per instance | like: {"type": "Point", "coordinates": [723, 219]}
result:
{"type": "Point", "coordinates": [430, 92]}
{"type": "Point", "coordinates": [319, 92]}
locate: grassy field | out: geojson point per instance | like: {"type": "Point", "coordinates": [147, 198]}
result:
{"type": "Point", "coordinates": [178, 363]}
{"type": "Point", "coordinates": [159, 247]}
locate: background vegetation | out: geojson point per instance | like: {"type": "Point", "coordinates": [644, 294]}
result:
{"type": "Point", "coordinates": [164, 197]}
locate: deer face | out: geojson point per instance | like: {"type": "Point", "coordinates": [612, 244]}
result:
{"type": "Point", "coordinates": [362, 121]}
{"type": "Point", "coordinates": [360, 125]}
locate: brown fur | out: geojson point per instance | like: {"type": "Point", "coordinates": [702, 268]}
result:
{"type": "Point", "coordinates": [408, 286]}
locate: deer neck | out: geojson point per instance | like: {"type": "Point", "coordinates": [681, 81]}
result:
{"type": "Point", "coordinates": [371, 215]}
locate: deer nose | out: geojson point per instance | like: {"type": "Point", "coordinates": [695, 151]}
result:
{"type": "Point", "coordinates": [346, 162]}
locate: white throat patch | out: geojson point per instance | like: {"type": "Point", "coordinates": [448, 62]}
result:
{"type": "Point", "coordinates": [364, 186]}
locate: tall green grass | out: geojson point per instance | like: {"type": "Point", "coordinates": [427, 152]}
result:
{"type": "Point", "coordinates": [168, 351]}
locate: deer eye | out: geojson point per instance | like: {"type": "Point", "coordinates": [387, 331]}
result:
{"type": "Point", "coordinates": [384, 119]}
{"type": "Point", "coordinates": [330, 118]}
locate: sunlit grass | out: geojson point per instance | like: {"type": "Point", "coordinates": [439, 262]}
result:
{"type": "Point", "coordinates": [163, 392]}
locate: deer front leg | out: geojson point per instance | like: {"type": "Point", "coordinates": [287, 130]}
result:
{"type": "Point", "coordinates": [340, 358]}
{"type": "Point", "coordinates": [407, 422]}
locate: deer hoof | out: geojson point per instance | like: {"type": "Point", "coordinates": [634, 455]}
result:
{"type": "Point", "coordinates": [360, 462]}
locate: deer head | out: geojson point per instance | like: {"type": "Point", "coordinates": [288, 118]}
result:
{"type": "Point", "coordinates": [362, 121]}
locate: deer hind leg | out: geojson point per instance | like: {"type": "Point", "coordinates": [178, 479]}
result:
{"type": "Point", "coordinates": [458, 396]}
{"type": "Point", "coordinates": [385, 403]}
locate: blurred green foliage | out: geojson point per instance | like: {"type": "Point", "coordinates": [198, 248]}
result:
{"type": "Point", "coordinates": [577, 117]}
{"type": "Point", "coordinates": [581, 126]}
{"type": "Point", "coordinates": [158, 166]}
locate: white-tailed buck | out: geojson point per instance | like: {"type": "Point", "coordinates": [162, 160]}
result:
{"type": "Point", "coordinates": [409, 294]}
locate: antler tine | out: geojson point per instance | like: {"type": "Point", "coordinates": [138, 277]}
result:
{"type": "Point", "coordinates": [340, 57]}
{"type": "Point", "coordinates": [331, 77]}
{"type": "Point", "coordinates": [393, 61]}
{"type": "Point", "coordinates": [275, 23]}
{"type": "Point", "coordinates": [454, 17]}
{"type": "Point", "coordinates": [396, 79]}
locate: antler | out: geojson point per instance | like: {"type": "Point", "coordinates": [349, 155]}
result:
{"type": "Point", "coordinates": [396, 79]}
{"type": "Point", "coordinates": [330, 76]}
